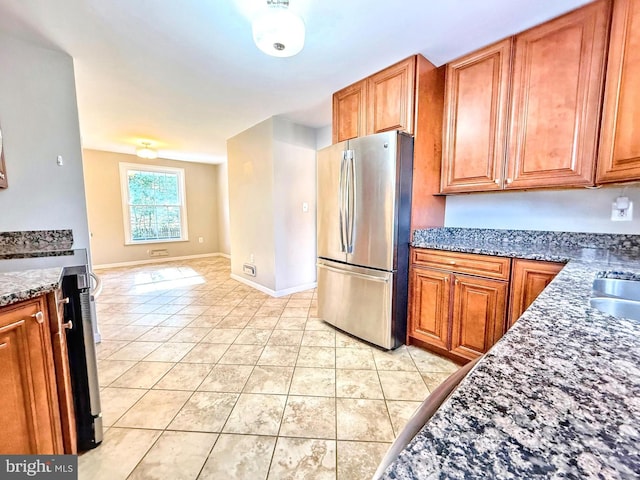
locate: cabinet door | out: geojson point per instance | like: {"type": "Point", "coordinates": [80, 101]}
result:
{"type": "Point", "coordinates": [619, 158]}
{"type": "Point", "coordinates": [479, 312]}
{"type": "Point", "coordinates": [475, 120]}
{"type": "Point", "coordinates": [528, 279]}
{"type": "Point", "coordinates": [3, 171]}
{"type": "Point", "coordinates": [390, 98]}
{"type": "Point", "coordinates": [29, 415]}
{"type": "Point", "coordinates": [556, 94]}
{"type": "Point", "coordinates": [349, 114]}
{"type": "Point", "coordinates": [429, 313]}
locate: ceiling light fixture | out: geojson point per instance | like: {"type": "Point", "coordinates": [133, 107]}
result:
{"type": "Point", "coordinates": [146, 151]}
{"type": "Point", "coordinates": [279, 32]}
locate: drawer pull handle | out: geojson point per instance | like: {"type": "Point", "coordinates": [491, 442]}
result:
{"type": "Point", "coordinates": [68, 325]}
{"type": "Point", "coordinates": [64, 301]}
{"type": "Point", "coordinates": [39, 317]}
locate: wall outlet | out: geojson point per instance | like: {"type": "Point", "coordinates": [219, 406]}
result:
{"type": "Point", "coordinates": [248, 269]}
{"type": "Point", "coordinates": [160, 252]}
{"type": "Point", "coordinates": [200, 239]}
{"type": "Point", "coordinates": [622, 210]}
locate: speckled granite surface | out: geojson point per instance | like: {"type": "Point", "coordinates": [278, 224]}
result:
{"type": "Point", "coordinates": [22, 285]}
{"type": "Point", "coordinates": [34, 241]}
{"type": "Point", "coordinates": [557, 397]}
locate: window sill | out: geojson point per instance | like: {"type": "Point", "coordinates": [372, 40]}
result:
{"type": "Point", "coordinates": [148, 242]}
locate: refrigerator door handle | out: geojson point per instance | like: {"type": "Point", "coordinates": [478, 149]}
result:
{"type": "Point", "coordinates": [341, 202]}
{"type": "Point", "coordinates": [351, 157]}
{"type": "Point", "coordinates": [353, 274]}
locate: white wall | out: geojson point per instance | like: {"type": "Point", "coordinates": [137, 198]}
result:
{"type": "Point", "coordinates": [39, 118]}
{"type": "Point", "coordinates": [294, 184]}
{"type": "Point", "coordinates": [272, 171]}
{"type": "Point", "coordinates": [223, 209]}
{"type": "Point", "coordinates": [323, 137]}
{"type": "Point", "coordinates": [577, 210]}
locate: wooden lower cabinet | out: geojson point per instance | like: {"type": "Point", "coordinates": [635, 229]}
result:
{"type": "Point", "coordinates": [528, 279]}
{"type": "Point", "coordinates": [34, 376]}
{"type": "Point", "coordinates": [429, 300]}
{"type": "Point", "coordinates": [479, 313]}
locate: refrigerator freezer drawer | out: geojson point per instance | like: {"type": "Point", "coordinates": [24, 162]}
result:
{"type": "Point", "coordinates": [357, 300]}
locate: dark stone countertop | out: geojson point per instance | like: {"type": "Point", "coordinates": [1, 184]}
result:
{"type": "Point", "coordinates": [559, 395]}
{"type": "Point", "coordinates": [26, 284]}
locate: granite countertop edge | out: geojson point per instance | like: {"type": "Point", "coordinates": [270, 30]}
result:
{"type": "Point", "coordinates": [26, 284]}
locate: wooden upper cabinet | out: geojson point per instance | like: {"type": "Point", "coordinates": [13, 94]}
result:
{"type": "Point", "coordinates": [475, 119]}
{"type": "Point", "coordinates": [390, 98]}
{"type": "Point", "coordinates": [479, 312]}
{"type": "Point", "coordinates": [29, 415]}
{"type": "Point", "coordinates": [349, 112]}
{"type": "Point", "coordinates": [429, 307]}
{"type": "Point", "coordinates": [619, 158]}
{"type": "Point", "coordinates": [558, 73]}
{"type": "Point", "coordinates": [528, 279]}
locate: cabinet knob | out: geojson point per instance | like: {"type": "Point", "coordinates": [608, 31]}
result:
{"type": "Point", "coordinates": [38, 316]}
{"type": "Point", "coordinates": [1, 175]}
{"type": "Point", "coordinates": [509, 181]}
{"type": "Point", "coordinates": [497, 180]}
{"type": "Point", "coordinates": [68, 325]}
{"type": "Point", "coordinates": [64, 301]}
{"type": "Point", "coordinates": [452, 262]}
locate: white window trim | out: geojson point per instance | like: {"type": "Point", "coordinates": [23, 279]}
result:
{"type": "Point", "coordinates": [124, 192]}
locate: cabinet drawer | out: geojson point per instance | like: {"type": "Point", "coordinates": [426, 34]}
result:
{"type": "Point", "coordinates": [471, 263]}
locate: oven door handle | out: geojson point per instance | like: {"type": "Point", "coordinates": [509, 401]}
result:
{"type": "Point", "coordinates": [97, 290]}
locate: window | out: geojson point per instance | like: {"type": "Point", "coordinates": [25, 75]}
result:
{"type": "Point", "coordinates": [153, 203]}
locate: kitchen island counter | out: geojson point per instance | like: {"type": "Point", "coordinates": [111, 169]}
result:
{"type": "Point", "coordinates": [26, 284]}
{"type": "Point", "coordinates": [557, 396]}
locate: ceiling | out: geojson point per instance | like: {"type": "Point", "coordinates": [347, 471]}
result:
{"type": "Point", "coordinates": [187, 76]}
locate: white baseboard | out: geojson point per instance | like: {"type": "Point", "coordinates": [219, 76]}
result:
{"type": "Point", "coordinates": [274, 293]}
{"type": "Point", "coordinates": [158, 260]}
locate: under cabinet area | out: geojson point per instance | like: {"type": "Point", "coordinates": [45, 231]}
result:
{"type": "Point", "coordinates": [461, 304]}
{"type": "Point", "coordinates": [35, 389]}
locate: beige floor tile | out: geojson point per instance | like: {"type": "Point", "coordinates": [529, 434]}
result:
{"type": "Point", "coordinates": [359, 460]}
{"type": "Point", "coordinates": [279, 355]}
{"type": "Point", "coordinates": [285, 337]}
{"type": "Point", "coordinates": [205, 353]}
{"type": "Point", "coordinates": [106, 347]}
{"type": "Point", "coordinates": [355, 358]}
{"type": "Point", "coordinates": [123, 332]}
{"type": "Point", "coordinates": [363, 420]}
{"type": "Point", "coordinates": [205, 321]}
{"type": "Point", "coordinates": [309, 417]}
{"type": "Point", "coordinates": [179, 320]}
{"type": "Point", "coordinates": [159, 334]}
{"type": "Point", "coordinates": [241, 355]}
{"type": "Point", "coordinates": [194, 309]}
{"type": "Point", "coordinates": [242, 311]}
{"type": "Point", "coordinates": [395, 360]}
{"type": "Point", "coordinates": [322, 357]}
{"type": "Point", "coordinates": [176, 455]}
{"type": "Point", "coordinates": [234, 322]}
{"type": "Point", "coordinates": [135, 351]}
{"type": "Point", "coordinates": [219, 310]}
{"type": "Point", "coordinates": [291, 323]}
{"type": "Point", "coordinates": [116, 401]}
{"type": "Point", "coordinates": [109, 370]}
{"type": "Point", "coordinates": [169, 352]}
{"type": "Point", "coordinates": [226, 378]}
{"type": "Point", "coordinates": [347, 341]}
{"type": "Point", "coordinates": [256, 414]}
{"type": "Point", "coordinates": [289, 312]}
{"type": "Point", "coordinates": [154, 410]}
{"type": "Point", "coordinates": [269, 311]}
{"type": "Point", "coordinates": [269, 379]}
{"type": "Point", "coordinates": [319, 325]}
{"type": "Point", "coordinates": [239, 457]}
{"type": "Point", "coordinates": [303, 459]}
{"type": "Point", "coordinates": [118, 318]}
{"type": "Point", "coordinates": [264, 322]}
{"type": "Point", "coordinates": [300, 303]}
{"type": "Point", "coordinates": [319, 338]}
{"type": "Point", "coordinates": [168, 309]}
{"type": "Point", "coordinates": [313, 381]}
{"type": "Point", "coordinates": [400, 412]}
{"type": "Point", "coordinates": [222, 335]}
{"type": "Point", "coordinates": [403, 386]}
{"type": "Point", "coordinates": [184, 376]}
{"type": "Point", "coordinates": [117, 456]}
{"type": "Point", "coordinates": [253, 336]}
{"type": "Point", "coordinates": [143, 375]}
{"type": "Point", "coordinates": [189, 334]}
{"type": "Point", "coordinates": [151, 319]}
{"type": "Point", "coordinates": [204, 412]}
{"type": "Point", "coordinates": [433, 380]}
{"type": "Point", "coordinates": [358, 384]}
{"type": "Point", "coordinates": [428, 362]}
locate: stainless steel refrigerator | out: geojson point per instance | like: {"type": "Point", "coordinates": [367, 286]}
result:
{"type": "Point", "coordinates": [364, 212]}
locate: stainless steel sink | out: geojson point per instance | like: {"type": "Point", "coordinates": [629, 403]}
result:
{"type": "Point", "coordinates": [625, 289]}
{"type": "Point", "coordinates": [618, 298]}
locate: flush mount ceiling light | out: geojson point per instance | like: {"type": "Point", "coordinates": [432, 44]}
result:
{"type": "Point", "coordinates": [146, 151]}
{"type": "Point", "coordinates": [279, 32]}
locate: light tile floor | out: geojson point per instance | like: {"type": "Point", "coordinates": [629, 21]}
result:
{"type": "Point", "coordinates": [204, 377]}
